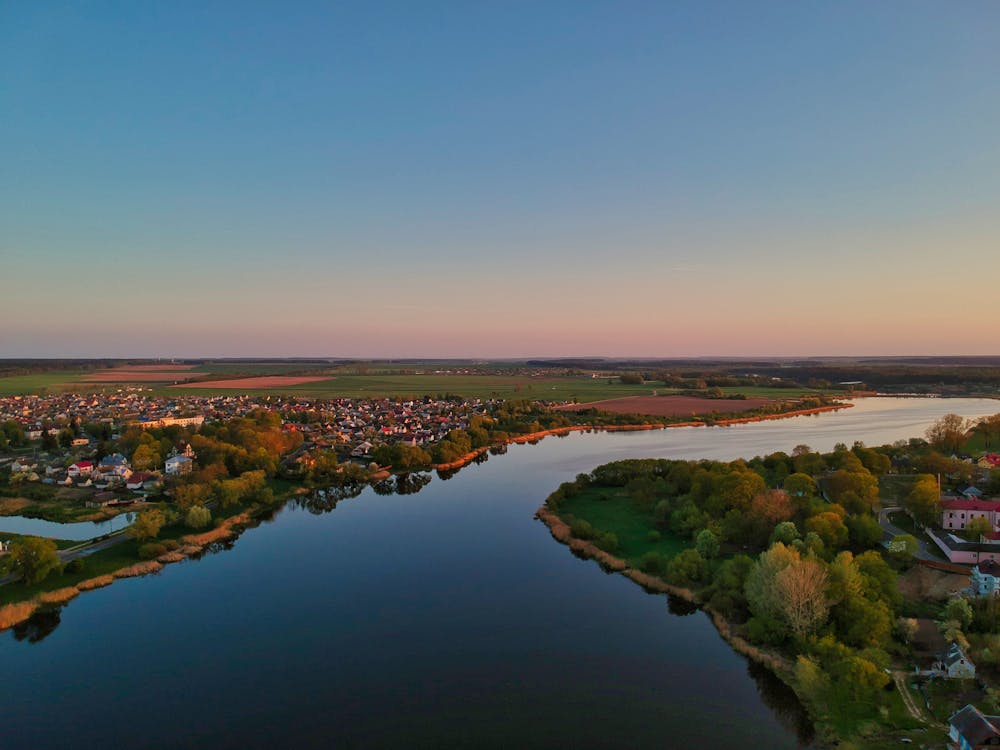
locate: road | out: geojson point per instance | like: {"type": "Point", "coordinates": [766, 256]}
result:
{"type": "Point", "coordinates": [72, 554]}
{"type": "Point", "coordinates": [890, 530]}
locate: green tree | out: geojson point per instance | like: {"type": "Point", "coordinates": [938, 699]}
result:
{"type": "Point", "coordinates": [687, 568]}
{"type": "Point", "coordinates": [924, 501]}
{"type": "Point", "coordinates": [34, 558]}
{"type": "Point", "coordinates": [198, 517]}
{"type": "Point", "coordinates": [147, 525]}
{"type": "Point", "coordinates": [855, 490]}
{"type": "Point", "coordinates": [707, 544]}
{"type": "Point", "coordinates": [800, 485]}
{"type": "Point", "coordinates": [145, 458]}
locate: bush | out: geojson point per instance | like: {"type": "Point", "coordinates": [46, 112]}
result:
{"type": "Point", "coordinates": [654, 536]}
{"type": "Point", "coordinates": [198, 517]}
{"type": "Point", "coordinates": [74, 566]}
{"type": "Point", "coordinates": [582, 529]}
{"type": "Point", "coordinates": [607, 542]}
{"type": "Point", "coordinates": [653, 563]}
{"type": "Point", "coordinates": [151, 550]}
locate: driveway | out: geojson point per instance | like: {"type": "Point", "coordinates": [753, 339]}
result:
{"type": "Point", "coordinates": [890, 530]}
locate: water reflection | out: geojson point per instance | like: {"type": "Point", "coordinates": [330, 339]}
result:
{"type": "Point", "coordinates": [680, 607]}
{"type": "Point", "coordinates": [782, 700]}
{"type": "Point", "coordinates": [39, 626]}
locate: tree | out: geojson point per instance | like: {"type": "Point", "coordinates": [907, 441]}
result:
{"type": "Point", "coordinates": [686, 568]}
{"type": "Point", "coordinates": [800, 485]}
{"type": "Point", "coordinates": [829, 527]}
{"type": "Point", "coordinates": [785, 532]}
{"type": "Point", "coordinates": [958, 609]}
{"type": "Point", "coordinates": [989, 428]}
{"type": "Point", "coordinates": [975, 531]}
{"type": "Point", "coordinates": [145, 458]}
{"type": "Point", "coordinates": [863, 531]}
{"type": "Point", "coordinates": [800, 588]}
{"type": "Point", "coordinates": [904, 547]}
{"type": "Point", "coordinates": [924, 501]}
{"type": "Point", "coordinates": [198, 517]}
{"type": "Point", "coordinates": [760, 585]}
{"type": "Point", "coordinates": [948, 433]}
{"type": "Point", "coordinates": [855, 490]}
{"type": "Point", "coordinates": [34, 558]}
{"type": "Point", "coordinates": [147, 525]}
{"type": "Point", "coordinates": [707, 544]}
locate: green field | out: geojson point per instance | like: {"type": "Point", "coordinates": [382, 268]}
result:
{"type": "Point", "coordinates": [376, 381]}
{"type": "Point", "coordinates": [609, 509]}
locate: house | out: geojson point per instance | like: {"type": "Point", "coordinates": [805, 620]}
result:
{"type": "Point", "coordinates": [102, 499]}
{"type": "Point", "coordinates": [971, 729]}
{"type": "Point", "coordinates": [4, 546]}
{"type": "Point", "coordinates": [363, 449]}
{"type": "Point", "coordinates": [79, 442]}
{"type": "Point", "coordinates": [956, 512]}
{"type": "Point", "coordinates": [137, 480]}
{"type": "Point", "coordinates": [114, 467]}
{"type": "Point", "coordinates": [973, 493]}
{"type": "Point", "coordinates": [984, 579]}
{"type": "Point", "coordinates": [80, 469]}
{"type": "Point", "coordinates": [955, 665]}
{"type": "Point", "coordinates": [179, 464]}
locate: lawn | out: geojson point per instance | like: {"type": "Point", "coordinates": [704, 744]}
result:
{"type": "Point", "coordinates": [609, 509]}
{"type": "Point", "coordinates": [6, 536]}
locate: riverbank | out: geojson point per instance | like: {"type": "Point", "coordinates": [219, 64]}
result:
{"type": "Point", "coordinates": [533, 437]}
{"type": "Point", "coordinates": [561, 532]}
{"type": "Point", "coordinates": [188, 545]}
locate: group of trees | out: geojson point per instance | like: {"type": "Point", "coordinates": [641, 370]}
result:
{"type": "Point", "coordinates": [799, 541]}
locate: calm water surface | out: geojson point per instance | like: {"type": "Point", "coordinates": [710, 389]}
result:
{"type": "Point", "coordinates": [446, 618]}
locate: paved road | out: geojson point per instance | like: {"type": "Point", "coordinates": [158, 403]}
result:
{"type": "Point", "coordinates": [67, 555]}
{"type": "Point", "coordinates": [889, 530]}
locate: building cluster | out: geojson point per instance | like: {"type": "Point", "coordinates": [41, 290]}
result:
{"type": "Point", "coordinates": [352, 427]}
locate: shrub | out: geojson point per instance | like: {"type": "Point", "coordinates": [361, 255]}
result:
{"type": "Point", "coordinates": [151, 550]}
{"type": "Point", "coordinates": [198, 517]}
{"type": "Point", "coordinates": [74, 566]}
{"type": "Point", "coordinates": [607, 542]}
{"type": "Point", "coordinates": [654, 536]}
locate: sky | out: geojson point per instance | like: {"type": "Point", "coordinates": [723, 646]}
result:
{"type": "Point", "coordinates": [499, 179]}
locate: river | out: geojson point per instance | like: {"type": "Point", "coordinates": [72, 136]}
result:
{"type": "Point", "coordinates": [443, 618]}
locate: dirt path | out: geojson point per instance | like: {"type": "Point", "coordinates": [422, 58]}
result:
{"type": "Point", "coordinates": [900, 679]}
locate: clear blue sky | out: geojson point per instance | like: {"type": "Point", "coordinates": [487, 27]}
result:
{"type": "Point", "coordinates": [506, 178]}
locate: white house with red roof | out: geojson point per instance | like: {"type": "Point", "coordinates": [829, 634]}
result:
{"type": "Point", "coordinates": [80, 469]}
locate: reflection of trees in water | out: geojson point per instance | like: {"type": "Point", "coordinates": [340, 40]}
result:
{"type": "Point", "coordinates": [39, 626]}
{"type": "Point", "coordinates": [680, 607]}
{"type": "Point", "coordinates": [498, 450]}
{"type": "Point", "coordinates": [323, 501]}
{"type": "Point", "coordinates": [481, 458]}
{"type": "Point", "coordinates": [782, 700]}
{"type": "Point", "coordinates": [411, 484]}
{"type": "Point", "coordinates": [445, 474]}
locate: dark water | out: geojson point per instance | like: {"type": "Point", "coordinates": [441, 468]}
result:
{"type": "Point", "coordinates": [446, 617]}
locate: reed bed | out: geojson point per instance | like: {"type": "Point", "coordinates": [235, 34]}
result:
{"type": "Point", "coordinates": [95, 583]}
{"type": "Point", "coordinates": [171, 557]}
{"type": "Point", "coordinates": [139, 569]}
{"type": "Point", "coordinates": [12, 614]}
{"type": "Point", "coordinates": [59, 596]}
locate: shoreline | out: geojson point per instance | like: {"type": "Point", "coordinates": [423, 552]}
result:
{"type": "Point", "coordinates": [559, 431]}
{"type": "Point", "coordinates": [776, 663]}
{"type": "Point", "coordinates": [193, 544]}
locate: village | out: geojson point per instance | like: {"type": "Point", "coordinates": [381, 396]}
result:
{"type": "Point", "coordinates": [69, 440]}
